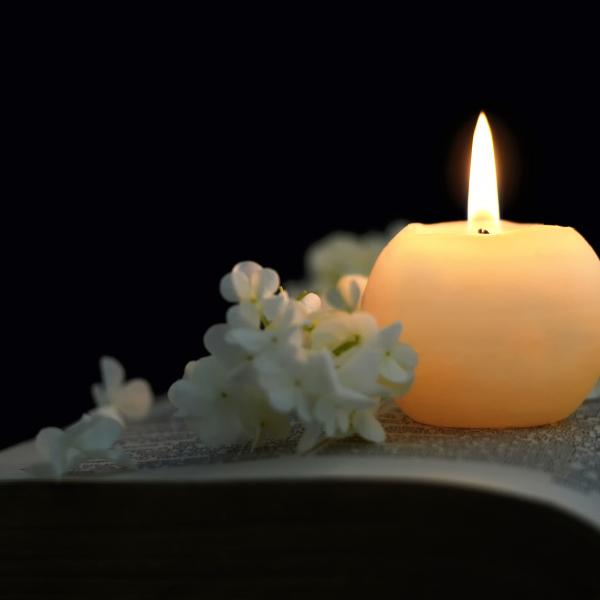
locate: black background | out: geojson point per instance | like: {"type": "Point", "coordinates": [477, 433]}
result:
{"type": "Point", "coordinates": [146, 157]}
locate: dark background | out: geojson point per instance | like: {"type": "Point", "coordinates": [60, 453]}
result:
{"type": "Point", "coordinates": [147, 157]}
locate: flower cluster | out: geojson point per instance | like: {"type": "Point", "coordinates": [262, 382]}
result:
{"type": "Point", "coordinates": [278, 358]}
{"type": "Point", "coordinates": [94, 435]}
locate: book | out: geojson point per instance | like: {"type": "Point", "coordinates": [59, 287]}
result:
{"type": "Point", "coordinates": [217, 516]}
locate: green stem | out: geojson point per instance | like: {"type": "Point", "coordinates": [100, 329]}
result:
{"type": "Point", "coordinates": [345, 346]}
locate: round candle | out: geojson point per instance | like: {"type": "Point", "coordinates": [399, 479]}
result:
{"type": "Point", "coordinates": [505, 317]}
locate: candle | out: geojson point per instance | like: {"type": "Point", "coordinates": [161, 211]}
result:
{"type": "Point", "coordinates": [505, 317]}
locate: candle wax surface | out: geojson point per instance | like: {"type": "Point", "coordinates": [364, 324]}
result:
{"type": "Point", "coordinates": [506, 324]}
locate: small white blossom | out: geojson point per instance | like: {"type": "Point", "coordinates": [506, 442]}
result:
{"type": "Point", "coordinates": [398, 360]}
{"type": "Point", "coordinates": [367, 426]}
{"type": "Point", "coordinates": [207, 397]}
{"type": "Point", "coordinates": [281, 328]}
{"type": "Point", "coordinates": [340, 332]}
{"type": "Point", "coordinates": [259, 420]}
{"type": "Point", "coordinates": [220, 409]}
{"type": "Point", "coordinates": [348, 292]}
{"type": "Point", "coordinates": [249, 282]}
{"type": "Point", "coordinates": [362, 422]}
{"type": "Point", "coordinates": [132, 399]}
{"type": "Point", "coordinates": [370, 360]}
{"type": "Point", "coordinates": [282, 378]}
{"type": "Point", "coordinates": [92, 437]}
{"type": "Point", "coordinates": [308, 384]}
{"type": "Point", "coordinates": [325, 400]}
{"type": "Point", "coordinates": [233, 358]}
{"type": "Point", "coordinates": [310, 303]}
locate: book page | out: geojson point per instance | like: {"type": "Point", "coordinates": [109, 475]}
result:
{"type": "Point", "coordinates": [558, 464]}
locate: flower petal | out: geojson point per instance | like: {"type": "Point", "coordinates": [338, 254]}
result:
{"type": "Point", "coordinates": [392, 371]}
{"type": "Point", "coordinates": [250, 340]}
{"type": "Point", "coordinates": [112, 372]}
{"type": "Point", "coordinates": [368, 427]}
{"type": "Point", "coordinates": [226, 288]}
{"type": "Point", "coordinates": [343, 421]}
{"type": "Point", "coordinates": [184, 394]}
{"type": "Point", "coordinates": [320, 376]}
{"type": "Point", "coordinates": [245, 277]}
{"type": "Point", "coordinates": [249, 268]}
{"type": "Point", "coordinates": [101, 433]}
{"type": "Point", "coordinates": [226, 353]}
{"type": "Point", "coordinates": [310, 438]}
{"type": "Point", "coordinates": [189, 369]}
{"type": "Point", "coordinates": [244, 315]}
{"type": "Point", "coordinates": [134, 399]}
{"type": "Point", "coordinates": [49, 443]}
{"type": "Point", "coordinates": [389, 335]}
{"type": "Point", "coordinates": [99, 394]}
{"type": "Point", "coordinates": [405, 355]}
{"type": "Point", "coordinates": [361, 371]}
{"type": "Point", "coordinates": [311, 303]}
{"type": "Point", "coordinates": [268, 283]}
{"type": "Point", "coordinates": [325, 413]}
{"type": "Point", "coordinates": [275, 306]}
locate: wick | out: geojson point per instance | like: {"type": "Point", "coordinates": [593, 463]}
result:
{"type": "Point", "coordinates": [483, 231]}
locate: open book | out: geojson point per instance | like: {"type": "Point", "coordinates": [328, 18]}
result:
{"type": "Point", "coordinates": [558, 464]}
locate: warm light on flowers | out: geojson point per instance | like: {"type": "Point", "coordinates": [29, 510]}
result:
{"type": "Point", "coordinates": [278, 358]}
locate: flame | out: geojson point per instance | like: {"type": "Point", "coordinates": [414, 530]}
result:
{"type": "Point", "coordinates": [484, 211]}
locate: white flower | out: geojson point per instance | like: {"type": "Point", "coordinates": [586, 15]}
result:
{"type": "Point", "coordinates": [282, 377]}
{"type": "Point", "coordinates": [351, 339]}
{"type": "Point", "coordinates": [223, 410]}
{"type": "Point", "coordinates": [398, 360]}
{"type": "Point", "coordinates": [236, 361]}
{"type": "Point", "coordinates": [367, 426]}
{"type": "Point", "coordinates": [595, 393]}
{"type": "Point", "coordinates": [132, 400]}
{"type": "Point", "coordinates": [347, 294]}
{"type": "Point", "coordinates": [281, 329]}
{"type": "Point", "coordinates": [370, 360]}
{"type": "Point", "coordinates": [324, 401]}
{"type": "Point", "coordinates": [249, 282]}
{"type": "Point", "coordinates": [207, 397]}
{"type": "Point", "coordinates": [308, 384]}
{"type": "Point", "coordinates": [340, 332]}
{"type": "Point", "coordinates": [259, 420]}
{"type": "Point", "coordinates": [345, 422]}
{"type": "Point", "coordinates": [91, 437]}
{"type": "Point", "coordinates": [310, 303]}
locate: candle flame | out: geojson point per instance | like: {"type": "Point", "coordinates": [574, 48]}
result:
{"type": "Point", "coordinates": [484, 211]}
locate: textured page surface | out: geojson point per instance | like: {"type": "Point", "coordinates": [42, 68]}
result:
{"type": "Point", "coordinates": [558, 463]}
